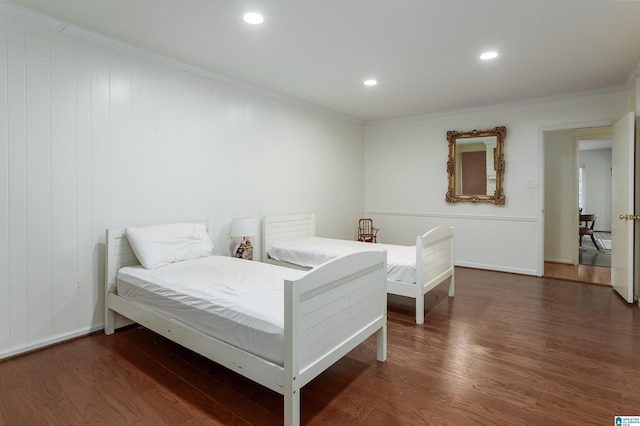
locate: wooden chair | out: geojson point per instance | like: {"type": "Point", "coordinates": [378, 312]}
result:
{"type": "Point", "coordinates": [366, 231]}
{"type": "Point", "coordinates": [587, 222]}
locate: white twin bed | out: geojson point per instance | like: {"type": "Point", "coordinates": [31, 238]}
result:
{"type": "Point", "coordinates": [279, 327]}
{"type": "Point", "coordinates": [412, 271]}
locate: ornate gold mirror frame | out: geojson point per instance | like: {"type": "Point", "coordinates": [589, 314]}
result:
{"type": "Point", "coordinates": [492, 142]}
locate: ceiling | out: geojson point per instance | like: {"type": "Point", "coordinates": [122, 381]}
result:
{"type": "Point", "coordinates": [424, 53]}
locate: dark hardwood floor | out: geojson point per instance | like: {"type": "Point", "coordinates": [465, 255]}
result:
{"type": "Point", "coordinates": [583, 273]}
{"type": "Point", "coordinates": [507, 350]}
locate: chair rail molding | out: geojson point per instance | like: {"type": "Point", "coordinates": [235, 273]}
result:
{"type": "Point", "coordinates": [453, 216]}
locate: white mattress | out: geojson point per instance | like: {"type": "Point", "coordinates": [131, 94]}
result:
{"type": "Point", "coordinates": [237, 301]}
{"type": "Point", "coordinates": [311, 252]}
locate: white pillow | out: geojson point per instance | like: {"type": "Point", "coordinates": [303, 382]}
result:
{"type": "Point", "coordinates": [160, 245]}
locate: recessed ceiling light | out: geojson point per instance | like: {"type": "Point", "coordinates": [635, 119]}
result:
{"type": "Point", "coordinates": [370, 82]}
{"type": "Point", "coordinates": [488, 55]}
{"type": "Point", "coordinates": [253, 18]}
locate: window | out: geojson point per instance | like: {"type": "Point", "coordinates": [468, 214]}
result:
{"type": "Point", "coordinates": [581, 173]}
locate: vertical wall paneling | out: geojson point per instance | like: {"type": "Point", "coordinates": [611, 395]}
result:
{"type": "Point", "coordinates": [224, 136]}
{"type": "Point", "coordinates": [150, 156]}
{"type": "Point", "coordinates": [100, 164]}
{"type": "Point", "coordinates": [88, 310]}
{"type": "Point", "coordinates": [156, 143]}
{"type": "Point", "coordinates": [187, 162]}
{"type": "Point", "coordinates": [97, 138]}
{"type": "Point", "coordinates": [5, 299]}
{"type": "Point", "coordinates": [64, 164]}
{"type": "Point", "coordinates": [148, 151]}
{"type": "Point", "coordinates": [17, 181]}
{"type": "Point", "coordinates": [38, 101]}
{"type": "Point", "coordinates": [121, 195]}
{"type": "Point", "coordinates": [137, 151]}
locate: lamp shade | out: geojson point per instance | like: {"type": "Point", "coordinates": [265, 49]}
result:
{"type": "Point", "coordinates": [244, 227]}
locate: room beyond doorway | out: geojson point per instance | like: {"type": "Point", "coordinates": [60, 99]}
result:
{"type": "Point", "coordinates": [591, 255]}
{"type": "Point", "coordinates": [594, 265]}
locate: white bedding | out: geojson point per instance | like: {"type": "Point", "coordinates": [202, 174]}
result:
{"type": "Point", "coordinates": [237, 301]}
{"type": "Point", "coordinates": [311, 252]}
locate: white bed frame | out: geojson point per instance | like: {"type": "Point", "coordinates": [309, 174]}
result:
{"type": "Point", "coordinates": [328, 312]}
{"type": "Point", "coordinates": [434, 255]}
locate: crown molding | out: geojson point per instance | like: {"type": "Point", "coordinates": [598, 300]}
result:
{"type": "Point", "coordinates": [513, 104]}
{"type": "Point", "coordinates": [21, 12]}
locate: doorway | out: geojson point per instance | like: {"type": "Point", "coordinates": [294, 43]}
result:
{"type": "Point", "coordinates": [594, 199]}
{"type": "Point", "coordinates": [573, 162]}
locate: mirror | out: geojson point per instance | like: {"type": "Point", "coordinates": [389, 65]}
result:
{"type": "Point", "coordinates": [476, 166]}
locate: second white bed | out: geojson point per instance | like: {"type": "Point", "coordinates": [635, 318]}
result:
{"type": "Point", "coordinates": [412, 271]}
{"type": "Point", "coordinates": [311, 252]}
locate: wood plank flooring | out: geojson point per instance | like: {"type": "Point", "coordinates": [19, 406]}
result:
{"type": "Point", "coordinates": [583, 273]}
{"type": "Point", "coordinates": [507, 350]}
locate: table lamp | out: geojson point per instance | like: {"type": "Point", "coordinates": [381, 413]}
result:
{"type": "Point", "coordinates": [244, 227]}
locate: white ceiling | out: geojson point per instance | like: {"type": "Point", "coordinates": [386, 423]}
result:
{"type": "Point", "coordinates": [424, 53]}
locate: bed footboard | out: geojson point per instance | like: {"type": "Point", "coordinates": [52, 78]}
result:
{"type": "Point", "coordinates": [434, 264]}
{"type": "Point", "coordinates": [328, 312]}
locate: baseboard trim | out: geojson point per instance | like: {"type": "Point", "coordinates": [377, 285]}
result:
{"type": "Point", "coordinates": [499, 268]}
{"type": "Point", "coordinates": [41, 344]}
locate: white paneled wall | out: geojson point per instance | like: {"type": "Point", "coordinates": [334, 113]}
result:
{"type": "Point", "coordinates": [5, 282]}
{"type": "Point", "coordinates": [92, 137]}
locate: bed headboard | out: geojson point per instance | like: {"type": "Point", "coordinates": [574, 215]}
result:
{"type": "Point", "coordinates": [119, 255]}
{"type": "Point", "coordinates": [277, 229]}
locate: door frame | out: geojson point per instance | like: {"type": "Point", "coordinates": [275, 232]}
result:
{"type": "Point", "coordinates": [541, 173]}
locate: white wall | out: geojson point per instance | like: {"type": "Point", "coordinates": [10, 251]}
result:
{"type": "Point", "coordinates": [597, 184]}
{"type": "Point", "coordinates": [561, 196]}
{"type": "Point", "coordinates": [92, 137]}
{"type": "Point", "coordinates": [406, 178]}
